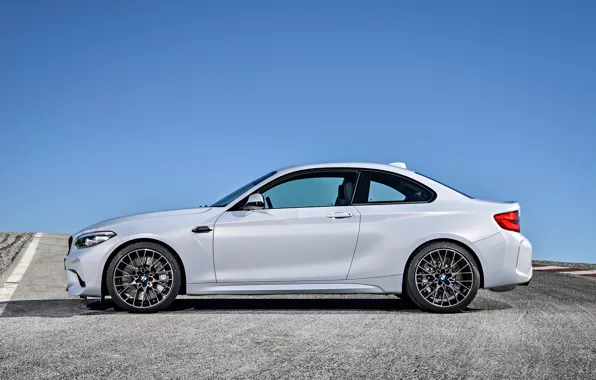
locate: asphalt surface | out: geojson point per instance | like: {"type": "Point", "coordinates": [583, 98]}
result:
{"type": "Point", "coordinates": [544, 331]}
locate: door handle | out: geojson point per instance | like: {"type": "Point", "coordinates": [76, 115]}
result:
{"type": "Point", "coordinates": [340, 215]}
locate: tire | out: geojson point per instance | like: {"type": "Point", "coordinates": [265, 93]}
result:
{"type": "Point", "coordinates": [144, 277]}
{"type": "Point", "coordinates": [442, 277]}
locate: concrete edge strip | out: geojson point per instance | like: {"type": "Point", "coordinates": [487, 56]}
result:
{"type": "Point", "coordinates": [11, 283]}
{"type": "Point", "coordinates": [564, 270]}
{"type": "Point", "coordinates": [583, 272]}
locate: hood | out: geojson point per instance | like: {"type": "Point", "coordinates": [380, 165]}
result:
{"type": "Point", "coordinates": [147, 215]}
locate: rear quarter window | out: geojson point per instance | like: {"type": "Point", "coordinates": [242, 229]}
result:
{"type": "Point", "coordinates": [382, 187]}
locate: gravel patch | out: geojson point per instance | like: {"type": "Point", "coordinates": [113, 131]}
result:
{"type": "Point", "coordinates": [10, 246]}
{"type": "Point", "coordinates": [586, 266]}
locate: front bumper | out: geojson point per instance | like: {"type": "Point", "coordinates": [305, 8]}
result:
{"type": "Point", "coordinates": [84, 267]}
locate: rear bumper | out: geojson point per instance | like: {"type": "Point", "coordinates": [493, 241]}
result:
{"type": "Point", "coordinates": [526, 283]}
{"type": "Point", "coordinates": [506, 260]}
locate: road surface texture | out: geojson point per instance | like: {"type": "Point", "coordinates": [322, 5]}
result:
{"type": "Point", "coordinates": [544, 331]}
{"type": "Point", "coordinates": [10, 245]}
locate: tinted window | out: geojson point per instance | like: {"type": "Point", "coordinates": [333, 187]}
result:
{"type": "Point", "coordinates": [379, 192]}
{"type": "Point", "coordinates": [380, 187]}
{"type": "Point", "coordinates": [323, 189]}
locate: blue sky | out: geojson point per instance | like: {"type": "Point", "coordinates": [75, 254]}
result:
{"type": "Point", "coordinates": [111, 108]}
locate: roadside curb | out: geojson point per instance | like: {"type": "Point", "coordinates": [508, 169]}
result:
{"type": "Point", "coordinates": [564, 270]}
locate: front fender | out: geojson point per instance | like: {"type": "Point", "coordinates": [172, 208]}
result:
{"type": "Point", "coordinates": [194, 250]}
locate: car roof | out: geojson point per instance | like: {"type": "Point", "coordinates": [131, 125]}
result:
{"type": "Point", "coordinates": [355, 165]}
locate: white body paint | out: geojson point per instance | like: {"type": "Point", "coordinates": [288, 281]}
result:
{"type": "Point", "coordinates": [304, 250]}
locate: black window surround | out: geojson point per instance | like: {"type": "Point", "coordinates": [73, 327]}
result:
{"type": "Point", "coordinates": [357, 201]}
{"type": "Point", "coordinates": [315, 172]}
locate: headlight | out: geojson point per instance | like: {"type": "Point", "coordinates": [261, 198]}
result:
{"type": "Point", "coordinates": [93, 238]}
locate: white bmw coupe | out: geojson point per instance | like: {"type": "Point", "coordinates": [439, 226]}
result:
{"type": "Point", "coordinates": [326, 228]}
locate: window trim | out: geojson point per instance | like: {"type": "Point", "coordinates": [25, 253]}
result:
{"type": "Point", "coordinates": [238, 206]}
{"type": "Point", "coordinates": [432, 199]}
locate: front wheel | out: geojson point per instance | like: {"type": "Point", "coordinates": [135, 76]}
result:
{"type": "Point", "coordinates": [442, 277]}
{"type": "Point", "coordinates": [144, 277]}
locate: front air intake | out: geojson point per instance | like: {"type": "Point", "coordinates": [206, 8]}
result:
{"type": "Point", "coordinates": [69, 244]}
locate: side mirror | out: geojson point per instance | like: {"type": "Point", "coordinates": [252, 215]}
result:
{"type": "Point", "coordinates": [254, 202]}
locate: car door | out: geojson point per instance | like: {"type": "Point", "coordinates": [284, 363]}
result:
{"type": "Point", "coordinates": [307, 231]}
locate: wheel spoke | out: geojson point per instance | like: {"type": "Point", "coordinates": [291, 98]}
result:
{"type": "Point", "coordinates": [432, 293]}
{"type": "Point", "coordinates": [426, 270]}
{"type": "Point", "coordinates": [162, 284]}
{"type": "Point", "coordinates": [451, 264]}
{"type": "Point", "coordinates": [146, 296]}
{"type": "Point", "coordinates": [429, 263]}
{"type": "Point", "coordinates": [460, 284]}
{"type": "Point", "coordinates": [128, 287]}
{"type": "Point", "coordinates": [139, 257]}
{"type": "Point", "coordinates": [462, 267]}
{"type": "Point", "coordinates": [123, 271]}
{"type": "Point", "coordinates": [457, 262]}
{"type": "Point", "coordinates": [167, 272]}
{"type": "Point", "coordinates": [435, 262]}
{"type": "Point", "coordinates": [435, 296]}
{"type": "Point", "coordinates": [448, 298]}
{"type": "Point", "coordinates": [429, 285]}
{"type": "Point", "coordinates": [132, 263]}
{"type": "Point", "coordinates": [156, 295]}
{"type": "Point", "coordinates": [442, 259]}
{"type": "Point", "coordinates": [134, 300]}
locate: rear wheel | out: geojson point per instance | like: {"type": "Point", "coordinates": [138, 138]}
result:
{"type": "Point", "coordinates": [144, 277]}
{"type": "Point", "coordinates": [442, 277]}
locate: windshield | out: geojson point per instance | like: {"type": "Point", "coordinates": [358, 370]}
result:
{"type": "Point", "coordinates": [235, 194]}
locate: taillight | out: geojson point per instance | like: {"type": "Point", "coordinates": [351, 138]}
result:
{"type": "Point", "coordinates": [508, 221]}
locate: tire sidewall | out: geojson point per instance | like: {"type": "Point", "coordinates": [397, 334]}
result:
{"type": "Point", "coordinates": [175, 269]}
{"type": "Point", "coordinates": [419, 300]}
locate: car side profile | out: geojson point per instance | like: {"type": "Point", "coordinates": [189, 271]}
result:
{"type": "Point", "coordinates": [324, 228]}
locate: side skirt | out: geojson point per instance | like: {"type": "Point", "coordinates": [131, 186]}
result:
{"type": "Point", "coordinates": [376, 285]}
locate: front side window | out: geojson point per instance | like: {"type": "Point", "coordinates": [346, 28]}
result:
{"type": "Point", "coordinates": [324, 189]}
{"type": "Point", "coordinates": [381, 187]}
